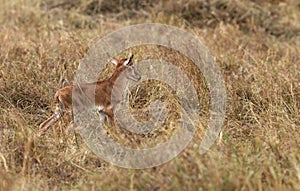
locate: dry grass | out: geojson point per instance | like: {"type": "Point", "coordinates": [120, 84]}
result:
{"type": "Point", "coordinates": [256, 44]}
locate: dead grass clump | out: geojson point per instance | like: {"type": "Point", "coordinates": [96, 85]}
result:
{"type": "Point", "coordinates": [118, 6]}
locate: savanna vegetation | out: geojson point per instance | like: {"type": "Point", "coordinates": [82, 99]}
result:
{"type": "Point", "coordinates": [255, 43]}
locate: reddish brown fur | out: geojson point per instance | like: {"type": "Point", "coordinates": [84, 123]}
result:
{"type": "Point", "coordinates": [101, 90]}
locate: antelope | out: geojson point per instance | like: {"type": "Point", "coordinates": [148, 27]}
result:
{"type": "Point", "coordinates": [101, 89]}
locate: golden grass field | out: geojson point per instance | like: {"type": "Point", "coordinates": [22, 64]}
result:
{"type": "Point", "coordinates": [256, 44]}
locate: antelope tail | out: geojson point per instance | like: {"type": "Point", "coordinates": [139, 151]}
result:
{"type": "Point", "coordinates": [46, 124]}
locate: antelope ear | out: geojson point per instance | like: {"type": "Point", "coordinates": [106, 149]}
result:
{"type": "Point", "coordinates": [114, 61]}
{"type": "Point", "coordinates": [129, 60]}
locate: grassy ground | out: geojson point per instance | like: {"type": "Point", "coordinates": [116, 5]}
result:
{"type": "Point", "coordinates": [256, 44]}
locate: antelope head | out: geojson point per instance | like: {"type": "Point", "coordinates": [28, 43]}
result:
{"type": "Point", "coordinates": [126, 65]}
